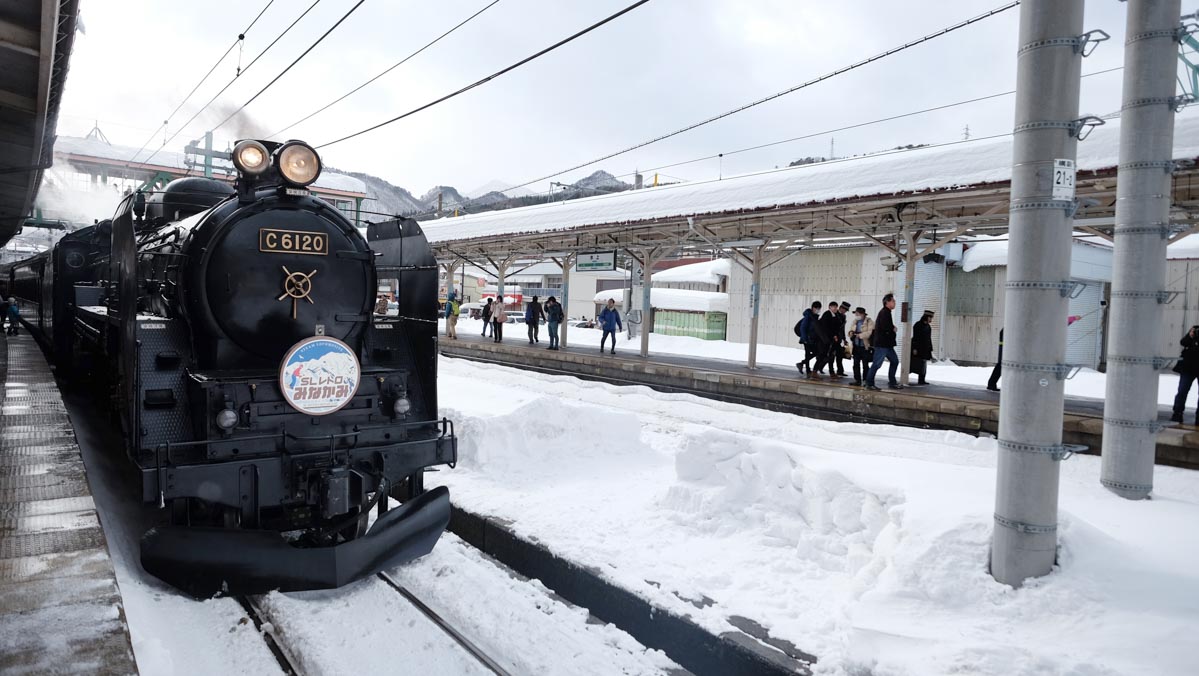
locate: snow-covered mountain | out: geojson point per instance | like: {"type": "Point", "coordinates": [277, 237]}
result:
{"type": "Point", "coordinates": [497, 186]}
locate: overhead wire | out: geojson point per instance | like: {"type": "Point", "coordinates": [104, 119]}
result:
{"type": "Point", "coordinates": [489, 78]}
{"type": "Point", "coordinates": [857, 125]}
{"type": "Point", "coordinates": [290, 65]}
{"type": "Point", "coordinates": [229, 84]}
{"type": "Point", "coordinates": [240, 40]}
{"type": "Point", "coordinates": [840, 71]}
{"type": "Point", "coordinates": [385, 72]}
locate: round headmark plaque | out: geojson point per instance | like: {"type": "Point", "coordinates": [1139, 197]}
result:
{"type": "Point", "coordinates": [319, 375]}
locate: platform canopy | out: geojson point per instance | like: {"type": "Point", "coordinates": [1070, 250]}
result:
{"type": "Point", "coordinates": [35, 47]}
{"type": "Point", "coordinates": [921, 193]}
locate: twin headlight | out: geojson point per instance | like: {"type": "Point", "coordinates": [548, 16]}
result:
{"type": "Point", "coordinates": [297, 162]}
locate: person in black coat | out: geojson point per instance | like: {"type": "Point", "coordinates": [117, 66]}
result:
{"type": "Point", "coordinates": [834, 335]}
{"type": "Point", "coordinates": [993, 383]}
{"type": "Point", "coordinates": [1187, 369]}
{"type": "Point", "coordinates": [885, 340]}
{"type": "Point", "coordinates": [922, 346]}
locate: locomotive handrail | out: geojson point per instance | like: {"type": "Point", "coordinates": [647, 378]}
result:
{"type": "Point", "coordinates": [445, 424]}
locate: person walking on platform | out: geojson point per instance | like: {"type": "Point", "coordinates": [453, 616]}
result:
{"type": "Point", "coordinates": [806, 330]}
{"type": "Point", "coordinates": [609, 320]}
{"type": "Point", "coordinates": [831, 325]}
{"type": "Point", "coordinates": [922, 347]}
{"type": "Point", "coordinates": [452, 308]}
{"type": "Point", "coordinates": [486, 313]}
{"type": "Point", "coordinates": [884, 340]}
{"type": "Point", "coordinates": [838, 352]}
{"type": "Point", "coordinates": [498, 317]}
{"type": "Point", "coordinates": [1187, 369]}
{"type": "Point", "coordinates": [13, 313]}
{"type": "Point", "coordinates": [553, 317]}
{"type": "Point", "coordinates": [533, 315]}
{"type": "Point", "coordinates": [3, 312]}
{"type": "Point", "coordinates": [860, 330]}
{"type": "Point", "coordinates": [993, 383]}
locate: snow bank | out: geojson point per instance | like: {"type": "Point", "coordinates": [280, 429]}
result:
{"type": "Point", "coordinates": [921, 170]}
{"type": "Point", "coordinates": [864, 544]}
{"type": "Point", "coordinates": [708, 272]}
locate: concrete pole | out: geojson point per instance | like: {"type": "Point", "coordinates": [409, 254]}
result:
{"type": "Point", "coordinates": [1024, 542]}
{"type": "Point", "coordinates": [755, 297]}
{"type": "Point", "coordinates": [1139, 270]}
{"type": "Point", "coordinates": [647, 311]}
{"type": "Point", "coordinates": [909, 299]}
{"type": "Point", "coordinates": [568, 262]}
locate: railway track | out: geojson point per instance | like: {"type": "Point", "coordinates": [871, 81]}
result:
{"type": "Point", "coordinates": [290, 664]}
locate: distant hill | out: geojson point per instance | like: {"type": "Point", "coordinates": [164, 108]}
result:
{"type": "Point", "coordinates": [384, 198]}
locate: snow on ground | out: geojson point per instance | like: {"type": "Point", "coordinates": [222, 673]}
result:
{"type": "Point", "coordinates": [864, 544]}
{"type": "Point", "coordinates": [1088, 383]}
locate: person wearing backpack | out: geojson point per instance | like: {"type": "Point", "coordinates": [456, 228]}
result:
{"type": "Point", "coordinates": [452, 308]}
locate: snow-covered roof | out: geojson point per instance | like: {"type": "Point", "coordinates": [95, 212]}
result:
{"type": "Point", "coordinates": [707, 272]}
{"type": "Point", "coordinates": [1087, 260]}
{"type": "Point", "coordinates": [674, 299]}
{"type": "Point", "coordinates": [538, 270]}
{"type": "Point", "coordinates": [965, 164]}
{"type": "Point", "coordinates": [90, 147]}
{"type": "Point", "coordinates": [1187, 247]}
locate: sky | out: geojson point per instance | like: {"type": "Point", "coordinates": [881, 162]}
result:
{"type": "Point", "coordinates": [664, 65]}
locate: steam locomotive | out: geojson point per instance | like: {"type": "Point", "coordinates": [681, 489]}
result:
{"type": "Point", "coordinates": [265, 405]}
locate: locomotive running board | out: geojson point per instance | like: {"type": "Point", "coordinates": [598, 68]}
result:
{"type": "Point", "coordinates": [206, 561]}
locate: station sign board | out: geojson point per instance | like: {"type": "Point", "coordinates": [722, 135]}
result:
{"type": "Point", "coordinates": [596, 261]}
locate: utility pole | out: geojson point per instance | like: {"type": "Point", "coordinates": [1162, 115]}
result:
{"type": "Point", "coordinates": [1143, 198]}
{"type": "Point", "coordinates": [1048, 65]}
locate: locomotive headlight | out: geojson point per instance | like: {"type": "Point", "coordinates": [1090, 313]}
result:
{"type": "Point", "coordinates": [402, 406]}
{"type": "Point", "coordinates": [298, 163]}
{"type": "Point", "coordinates": [251, 157]}
{"type": "Point", "coordinates": [226, 419]}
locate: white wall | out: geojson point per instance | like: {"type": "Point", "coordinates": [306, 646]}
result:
{"type": "Point", "coordinates": [791, 285]}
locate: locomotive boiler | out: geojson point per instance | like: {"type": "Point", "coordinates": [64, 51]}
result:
{"type": "Point", "coordinates": [267, 408]}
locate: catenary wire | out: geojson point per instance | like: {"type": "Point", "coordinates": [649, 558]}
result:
{"type": "Point", "coordinates": [240, 38]}
{"type": "Point", "coordinates": [894, 50]}
{"type": "Point", "coordinates": [858, 125]}
{"type": "Point", "coordinates": [290, 65]}
{"type": "Point", "coordinates": [230, 82]}
{"type": "Point", "coordinates": [491, 77]}
{"type": "Point", "coordinates": [385, 72]}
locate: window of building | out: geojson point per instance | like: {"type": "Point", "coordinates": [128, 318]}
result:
{"type": "Point", "coordinates": [970, 293]}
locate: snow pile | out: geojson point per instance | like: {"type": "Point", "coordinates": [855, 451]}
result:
{"type": "Point", "coordinates": [708, 272]}
{"type": "Point", "coordinates": [548, 435]}
{"type": "Point", "coordinates": [921, 170]}
{"type": "Point", "coordinates": [1089, 259]}
{"type": "Point", "coordinates": [866, 545]}
{"type": "Point", "coordinates": [617, 295]}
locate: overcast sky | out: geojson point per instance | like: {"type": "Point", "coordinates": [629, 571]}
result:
{"type": "Point", "coordinates": [663, 65]}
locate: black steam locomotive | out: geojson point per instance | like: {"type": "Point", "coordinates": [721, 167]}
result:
{"type": "Point", "coordinates": [264, 398]}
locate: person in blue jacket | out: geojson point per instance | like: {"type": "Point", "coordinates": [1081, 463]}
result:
{"type": "Point", "coordinates": [14, 318]}
{"type": "Point", "coordinates": [553, 316]}
{"type": "Point", "coordinates": [609, 319]}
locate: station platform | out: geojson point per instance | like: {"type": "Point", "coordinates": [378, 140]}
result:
{"type": "Point", "coordinates": [60, 607]}
{"type": "Point", "coordinates": [972, 410]}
